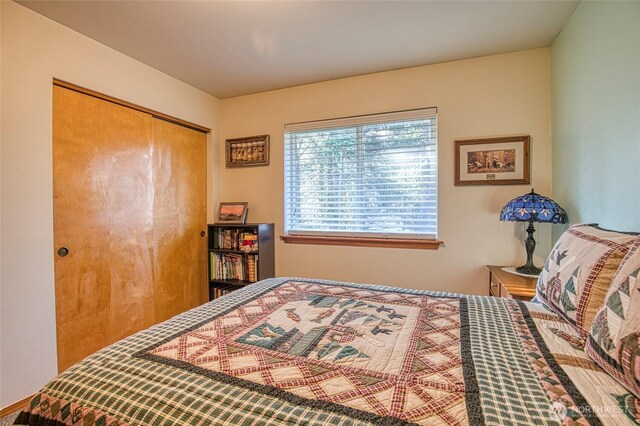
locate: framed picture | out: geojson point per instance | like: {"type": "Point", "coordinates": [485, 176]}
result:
{"type": "Point", "coordinates": [493, 161]}
{"type": "Point", "coordinates": [235, 212]}
{"type": "Point", "coordinates": [245, 152]}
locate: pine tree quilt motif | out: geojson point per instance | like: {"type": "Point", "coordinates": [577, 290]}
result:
{"type": "Point", "coordinates": [578, 273]}
{"type": "Point", "coordinates": [614, 340]}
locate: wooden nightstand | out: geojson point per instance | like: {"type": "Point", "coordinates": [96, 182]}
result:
{"type": "Point", "coordinates": [512, 286]}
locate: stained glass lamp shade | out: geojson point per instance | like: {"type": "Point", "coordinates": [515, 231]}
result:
{"type": "Point", "coordinates": [531, 208]}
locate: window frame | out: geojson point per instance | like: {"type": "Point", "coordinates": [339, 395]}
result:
{"type": "Point", "coordinates": [363, 238]}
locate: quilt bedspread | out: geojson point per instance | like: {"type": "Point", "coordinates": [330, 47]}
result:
{"type": "Point", "coordinates": [300, 351]}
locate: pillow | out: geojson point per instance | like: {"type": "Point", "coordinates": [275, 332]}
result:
{"type": "Point", "coordinates": [578, 273]}
{"type": "Point", "coordinates": [614, 340]}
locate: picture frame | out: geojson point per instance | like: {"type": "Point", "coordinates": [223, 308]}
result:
{"type": "Point", "coordinates": [247, 152]}
{"type": "Point", "coordinates": [492, 161]}
{"type": "Point", "coordinates": [232, 212]}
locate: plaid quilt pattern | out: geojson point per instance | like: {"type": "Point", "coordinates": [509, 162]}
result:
{"type": "Point", "coordinates": [505, 372]}
{"type": "Point", "coordinates": [510, 395]}
{"type": "Point", "coordinates": [58, 412]}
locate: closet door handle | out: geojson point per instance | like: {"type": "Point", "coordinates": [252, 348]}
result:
{"type": "Point", "coordinates": [63, 251]}
{"type": "Point", "coordinates": [202, 233]}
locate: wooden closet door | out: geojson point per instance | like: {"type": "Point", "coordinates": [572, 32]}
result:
{"type": "Point", "coordinates": [180, 174]}
{"type": "Point", "coordinates": [117, 203]}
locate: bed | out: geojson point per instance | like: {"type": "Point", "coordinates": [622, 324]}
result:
{"type": "Point", "coordinates": [318, 352]}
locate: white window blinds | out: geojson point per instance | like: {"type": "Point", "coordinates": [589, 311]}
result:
{"type": "Point", "coordinates": [366, 176]}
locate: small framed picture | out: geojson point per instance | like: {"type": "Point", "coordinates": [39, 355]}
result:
{"type": "Point", "coordinates": [246, 152]}
{"type": "Point", "coordinates": [492, 161]}
{"type": "Point", "coordinates": [232, 212]}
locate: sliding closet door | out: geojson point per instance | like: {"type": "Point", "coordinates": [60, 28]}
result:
{"type": "Point", "coordinates": [179, 212]}
{"type": "Point", "coordinates": [126, 222]}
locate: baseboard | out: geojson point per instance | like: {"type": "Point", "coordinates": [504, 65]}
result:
{"type": "Point", "coordinates": [15, 406]}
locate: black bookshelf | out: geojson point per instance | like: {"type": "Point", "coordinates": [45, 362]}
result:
{"type": "Point", "coordinates": [232, 252]}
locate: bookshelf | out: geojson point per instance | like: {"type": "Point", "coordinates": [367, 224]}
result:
{"type": "Point", "coordinates": [239, 255]}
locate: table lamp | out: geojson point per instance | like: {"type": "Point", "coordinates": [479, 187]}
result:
{"type": "Point", "coordinates": [531, 208]}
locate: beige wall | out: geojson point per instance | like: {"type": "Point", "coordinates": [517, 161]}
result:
{"type": "Point", "coordinates": [596, 115]}
{"type": "Point", "coordinates": [34, 50]}
{"type": "Point", "coordinates": [491, 96]}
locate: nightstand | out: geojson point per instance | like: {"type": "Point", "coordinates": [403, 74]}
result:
{"type": "Point", "coordinates": [511, 286]}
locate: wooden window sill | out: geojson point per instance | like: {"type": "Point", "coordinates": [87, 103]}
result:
{"type": "Point", "coordinates": [363, 242]}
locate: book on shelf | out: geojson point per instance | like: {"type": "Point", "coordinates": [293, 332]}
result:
{"type": "Point", "coordinates": [252, 268]}
{"type": "Point", "coordinates": [237, 239]}
{"type": "Point", "coordinates": [221, 291]}
{"type": "Point", "coordinates": [231, 266]}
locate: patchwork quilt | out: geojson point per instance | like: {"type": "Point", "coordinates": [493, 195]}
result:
{"type": "Point", "coordinates": [315, 352]}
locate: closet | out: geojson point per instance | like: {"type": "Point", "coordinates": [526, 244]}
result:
{"type": "Point", "coordinates": [129, 208]}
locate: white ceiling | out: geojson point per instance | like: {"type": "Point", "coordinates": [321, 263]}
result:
{"type": "Point", "coordinates": [232, 48]}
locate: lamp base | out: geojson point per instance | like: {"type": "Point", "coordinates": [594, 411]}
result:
{"type": "Point", "coordinates": [529, 270]}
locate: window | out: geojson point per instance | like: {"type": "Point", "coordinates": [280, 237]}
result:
{"type": "Point", "coordinates": [371, 176]}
